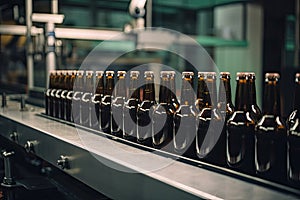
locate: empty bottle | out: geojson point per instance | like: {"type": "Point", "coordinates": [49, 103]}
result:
{"type": "Point", "coordinates": [69, 98]}
{"type": "Point", "coordinates": [96, 100]}
{"type": "Point", "coordinates": [144, 114]}
{"type": "Point", "coordinates": [294, 137]}
{"type": "Point", "coordinates": [162, 120]}
{"type": "Point", "coordinates": [130, 107]}
{"type": "Point", "coordinates": [86, 99]}
{"type": "Point", "coordinates": [270, 134]}
{"type": "Point", "coordinates": [255, 110]}
{"type": "Point", "coordinates": [185, 119]}
{"type": "Point", "coordinates": [57, 98]}
{"type": "Point", "coordinates": [240, 129]}
{"type": "Point", "coordinates": [105, 106]}
{"type": "Point", "coordinates": [210, 124]}
{"type": "Point", "coordinates": [117, 106]}
{"type": "Point", "coordinates": [63, 95]}
{"type": "Point", "coordinates": [48, 100]}
{"type": "Point", "coordinates": [78, 92]}
{"type": "Point", "coordinates": [225, 104]}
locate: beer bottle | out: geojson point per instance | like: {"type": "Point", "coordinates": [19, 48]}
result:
{"type": "Point", "coordinates": [270, 134]}
{"type": "Point", "coordinates": [60, 87]}
{"type": "Point", "coordinates": [226, 108]}
{"type": "Point", "coordinates": [184, 131]}
{"type": "Point", "coordinates": [255, 111]}
{"type": "Point", "coordinates": [294, 137]}
{"type": "Point", "coordinates": [76, 104]}
{"type": "Point", "coordinates": [96, 99]}
{"type": "Point", "coordinates": [174, 99]}
{"type": "Point", "coordinates": [48, 99]}
{"type": "Point", "coordinates": [130, 107]}
{"type": "Point", "coordinates": [52, 94]}
{"type": "Point", "coordinates": [240, 129]}
{"type": "Point", "coordinates": [117, 106]}
{"type": "Point", "coordinates": [210, 138]}
{"type": "Point", "coordinates": [105, 106]}
{"type": "Point", "coordinates": [63, 96]}
{"type": "Point", "coordinates": [225, 104]}
{"type": "Point", "coordinates": [86, 99]}
{"type": "Point", "coordinates": [162, 123]}
{"type": "Point", "coordinates": [144, 131]}
{"type": "Point", "coordinates": [69, 98]}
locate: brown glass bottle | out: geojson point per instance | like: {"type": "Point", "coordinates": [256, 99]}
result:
{"type": "Point", "coordinates": [240, 130]}
{"type": "Point", "coordinates": [96, 100]}
{"type": "Point", "coordinates": [144, 113]}
{"type": "Point", "coordinates": [77, 96]}
{"type": "Point", "coordinates": [60, 88]}
{"type": "Point", "coordinates": [48, 100]}
{"type": "Point", "coordinates": [52, 94]}
{"type": "Point", "coordinates": [270, 134]}
{"type": "Point", "coordinates": [226, 109]}
{"type": "Point", "coordinates": [69, 97]}
{"type": "Point", "coordinates": [184, 132]}
{"type": "Point", "coordinates": [255, 110]}
{"type": "Point", "coordinates": [88, 89]}
{"type": "Point", "coordinates": [163, 114]}
{"type": "Point", "coordinates": [209, 138]}
{"type": "Point", "coordinates": [225, 104]}
{"type": "Point", "coordinates": [105, 106]}
{"type": "Point", "coordinates": [117, 106]}
{"type": "Point", "coordinates": [294, 137]}
{"type": "Point", "coordinates": [130, 107]}
{"type": "Point", "coordinates": [63, 95]}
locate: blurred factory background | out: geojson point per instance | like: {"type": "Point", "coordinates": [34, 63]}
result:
{"type": "Point", "coordinates": [257, 35]}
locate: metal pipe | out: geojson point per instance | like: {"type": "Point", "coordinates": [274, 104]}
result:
{"type": "Point", "coordinates": [29, 60]}
{"type": "Point", "coordinates": [149, 13]}
{"type": "Point", "coordinates": [297, 32]}
{"type": "Point", "coordinates": [54, 6]}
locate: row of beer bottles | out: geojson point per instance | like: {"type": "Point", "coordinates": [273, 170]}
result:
{"type": "Point", "coordinates": [249, 143]}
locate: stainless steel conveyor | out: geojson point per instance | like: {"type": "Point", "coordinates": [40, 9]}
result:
{"type": "Point", "coordinates": [119, 170]}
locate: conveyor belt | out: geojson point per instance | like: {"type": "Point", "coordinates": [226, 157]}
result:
{"type": "Point", "coordinates": [101, 163]}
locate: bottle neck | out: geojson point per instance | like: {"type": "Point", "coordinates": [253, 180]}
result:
{"type": "Point", "coordinates": [89, 84]}
{"type": "Point", "coordinates": [109, 86]}
{"type": "Point", "coordinates": [164, 91]}
{"type": "Point", "coordinates": [120, 90]}
{"type": "Point", "coordinates": [80, 83]}
{"type": "Point", "coordinates": [200, 92]}
{"type": "Point", "coordinates": [252, 98]}
{"type": "Point", "coordinates": [271, 99]}
{"type": "Point", "coordinates": [187, 92]}
{"type": "Point", "coordinates": [72, 81]}
{"type": "Point", "coordinates": [210, 93]}
{"type": "Point", "coordinates": [134, 92]}
{"type": "Point", "coordinates": [242, 95]}
{"type": "Point", "coordinates": [100, 85]}
{"type": "Point", "coordinates": [297, 97]}
{"type": "Point", "coordinates": [149, 92]}
{"type": "Point", "coordinates": [67, 82]}
{"type": "Point", "coordinates": [225, 91]}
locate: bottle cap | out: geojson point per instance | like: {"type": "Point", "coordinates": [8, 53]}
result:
{"type": "Point", "coordinates": [272, 77]}
{"type": "Point", "coordinates": [164, 74]}
{"type": "Point", "coordinates": [89, 72]}
{"type": "Point", "coordinates": [121, 73]}
{"type": "Point", "coordinates": [187, 74]}
{"type": "Point", "coordinates": [225, 75]}
{"type": "Point", "coordinates": [109, 73]}
{"type": "Point", "coordinates": [80, 72]}
{"type": "Point", "coordinates": [99, 73]}
{"type": "Point", "coordinates": [149, 74]}
{"type": "Point", "coordinates": [134, 74]}
{"type": "Point", "coordinates": [242, 75]}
